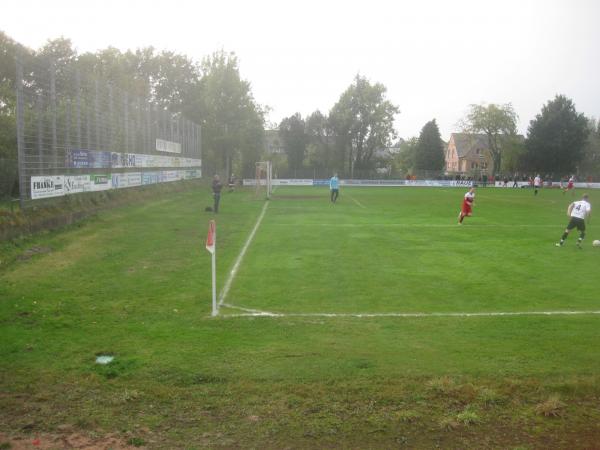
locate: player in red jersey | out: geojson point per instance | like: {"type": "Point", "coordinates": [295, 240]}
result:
{"type": "Point", "coordinates": [570, 185]}
{"type": "Point", "coordinates": [467, 205]}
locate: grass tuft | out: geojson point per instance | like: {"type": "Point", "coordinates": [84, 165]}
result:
{"type": "Point", "coordinates": [443, 385]}
{"type": "Point", "coordinates": [468, 417]}
{"type": "Point", "coordinates": [553, 407]}
{"type": "Point", "coordinates": [449, 423]}
{"type": "Point", "coordinates": [489, 397]}
{"type": "Point", "coordinates": [136, 441]}
{"type": "Point", "coordinates": [408, 416]}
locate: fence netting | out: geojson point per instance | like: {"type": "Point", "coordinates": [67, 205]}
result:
{"type": "Point", "coordinates": [77, 132]}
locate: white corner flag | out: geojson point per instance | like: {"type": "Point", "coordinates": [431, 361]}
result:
{"type": "Point", "coordinates": [211, 243]}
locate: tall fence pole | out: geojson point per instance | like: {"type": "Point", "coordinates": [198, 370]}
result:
{"type": "Point", "coordinates": [20, 134]}
{"type": "Point", "coordinates": [78, 107]}
{"type": "Point", "coordinates": [53, 116]}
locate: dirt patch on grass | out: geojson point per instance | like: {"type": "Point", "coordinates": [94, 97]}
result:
{"type": "Point", "coordinates": [68, 440]}
{"type": "Point", "coordinates": [27, 254]}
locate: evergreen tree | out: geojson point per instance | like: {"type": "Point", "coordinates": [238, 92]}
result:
{"type": "Point", "coordinates": [430, 148]}
{"type": "Point", "coordinates": [293, 134]}
{"type": "Point", "coordinates": [556, 138]}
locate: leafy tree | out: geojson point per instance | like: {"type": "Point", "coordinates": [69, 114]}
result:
{"type": "Point", "coordinates": [294, 138]}
{"type": "Point", "coordinates": [430, 148]}
{"type": "Point", "coordinates": [8, 139]}
{"type": "Point", "coordinates": [362, 121]}
{"type": "Point", "coordinates": [591, 160]}
{"type": "Point", "coordinates": [556, 137]}
{"type": "Point", "coordinates": [319, 151]}
{"type": "Point", "coordinates": [496, 122]}
{"type": "Point", "coordinates": [405, 160]}
{"type": "Point", "coordinates": [232, 122]}
{"type": "Point", "coordinates": [513, 154]}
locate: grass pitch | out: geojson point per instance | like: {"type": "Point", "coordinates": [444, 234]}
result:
{"type": "Point", "coordinates": [382, 250]}
{"type": "Point", "coordinates": [135, 283]}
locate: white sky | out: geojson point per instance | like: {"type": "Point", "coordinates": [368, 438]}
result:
{"type": "Point", "coordinates": [434, 57]}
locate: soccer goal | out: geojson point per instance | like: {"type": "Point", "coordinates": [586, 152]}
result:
{"type": "Point", "coordinates": [264, 175]}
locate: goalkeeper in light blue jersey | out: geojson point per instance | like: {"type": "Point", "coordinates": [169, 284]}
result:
{"type": "Point", "coordinates": [334, 187]}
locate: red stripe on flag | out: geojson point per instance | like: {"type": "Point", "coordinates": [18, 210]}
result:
{"type": "Point", "coordinates": [210, 237]}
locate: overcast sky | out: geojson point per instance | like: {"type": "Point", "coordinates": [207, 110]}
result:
{"type": "Point", "coordinates": [434, 57]}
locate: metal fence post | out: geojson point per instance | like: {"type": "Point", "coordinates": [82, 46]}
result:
{"type": "Point", "coordinates": [198, 149]}
{"type": "Point", "coordinates": [111, 119]}
{"type": "Point", "coordinates": [126, 121]}
{"type": "Point", "coordinates": [53, 114]}
{"type": "Point", "coordinates": [68, 107]}
{"type": "Point", "coordinates": [20, 133]}
{"type": "Point", "coordinates": [78, 106]}
{"type": "Point", "coordinates": [40, 131]}
{"type": "Point", "coordinates": [148, 129]}
{"type": "Point", "coordinates": [97, 114]}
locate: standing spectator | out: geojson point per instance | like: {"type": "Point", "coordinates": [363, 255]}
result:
{"type": "Point", "coordinates": [216, 189]}
{"type": "Point", "coordinates": [334, 187]}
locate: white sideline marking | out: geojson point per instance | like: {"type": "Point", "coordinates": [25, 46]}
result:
{"type": "Point", "coordinates": [257, 313]}
{"type": "Point", "coordinates": [238, 260]}
{"type": "Point", "coordinates": [357, 202]}
{"type": "Point", "coordinates": [407, 225]}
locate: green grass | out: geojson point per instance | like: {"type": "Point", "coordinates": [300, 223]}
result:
{"type": "Point", "coordinates": [402, 251]}
{"type": "Point", "coordinates": [135, 282]}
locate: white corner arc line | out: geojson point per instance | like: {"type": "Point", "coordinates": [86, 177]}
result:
{"type": "Point", "coordinates": [249, 311]}
{"type": "Point", "coordinates": [238, 260]}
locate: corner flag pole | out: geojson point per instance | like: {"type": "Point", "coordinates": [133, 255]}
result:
{"type": "Point", "coordinates": [211, 244]}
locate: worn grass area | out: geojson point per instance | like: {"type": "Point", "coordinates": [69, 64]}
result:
{"type": "Point", "coordinates": [134, 282]}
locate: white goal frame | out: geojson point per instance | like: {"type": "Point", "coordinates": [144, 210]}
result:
{"type": "Point", "coordinates": [264, 178]}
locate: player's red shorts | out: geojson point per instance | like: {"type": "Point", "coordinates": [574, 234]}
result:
{"type": "Point", "coordinates": [466, 208]}
{"type": "Point", "coordinates": [570, 185]}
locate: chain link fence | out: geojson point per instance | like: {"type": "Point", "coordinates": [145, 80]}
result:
{"type": "Point", "coordinates": [79, 133]}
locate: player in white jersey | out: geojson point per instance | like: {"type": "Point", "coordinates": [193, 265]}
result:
{"type": "Point", "coordinates": [578, 212]}
{"type": "Point", "coordinates": [537, 183]}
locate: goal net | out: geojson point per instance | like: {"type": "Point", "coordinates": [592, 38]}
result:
{"type": "Point", "coordinates": [264, 174]}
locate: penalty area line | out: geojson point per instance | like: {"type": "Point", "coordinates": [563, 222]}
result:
{"type": "Point", "coordinates": [238, 260]}
{"type": "Point", "coordinates": [258, 313]}
{"type": "Point", "coordinates": [357, 202]}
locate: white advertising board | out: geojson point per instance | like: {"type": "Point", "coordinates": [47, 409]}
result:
{"type": "Point", "coordinates": [168, 146]}
{"type": "Point", "coordinates": [77, 183]}
{"type": "Point", "coordinates": [100, 182]}
{"type": "Point", "coordinates": [47, 186]}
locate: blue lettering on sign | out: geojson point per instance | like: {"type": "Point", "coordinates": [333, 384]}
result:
{"type": "Point", "coordinates": [79, 159]}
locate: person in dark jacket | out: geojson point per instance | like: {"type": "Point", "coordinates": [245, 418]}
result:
{"type": "Point", "coordinates": [216, 188]}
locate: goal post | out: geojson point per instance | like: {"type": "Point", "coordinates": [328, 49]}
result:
{"type": "Point", "coordinates": [264, 178]}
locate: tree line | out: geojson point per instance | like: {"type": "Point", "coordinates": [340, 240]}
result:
{"type": "Point", "coordinates": [559, 140]}
{"type": "Point", "coordinates": [210, 93]}
{"type": "Point", "coordinates": [350, 139]}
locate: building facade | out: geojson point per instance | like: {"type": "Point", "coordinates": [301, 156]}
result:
{"type": "Point", "coordinates": [468, 154]}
